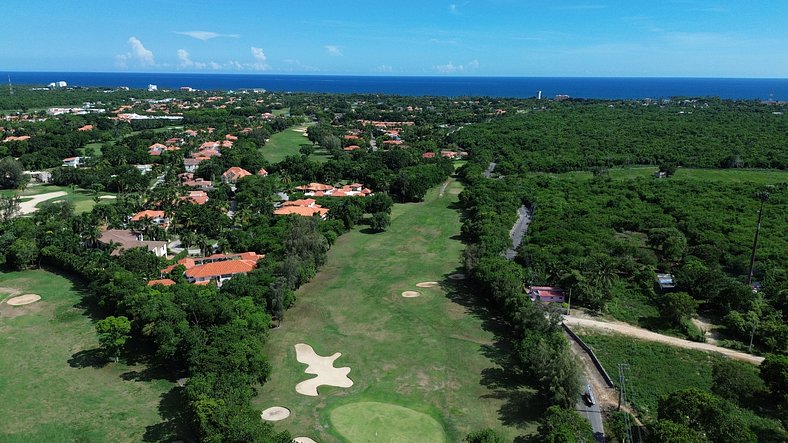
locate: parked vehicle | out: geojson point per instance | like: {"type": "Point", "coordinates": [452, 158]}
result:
{"type": "Point", "coordinates": [588, 396]}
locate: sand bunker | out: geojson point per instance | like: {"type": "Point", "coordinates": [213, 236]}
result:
{"type": "Point", "coordinates": [323, 367]}
{"type": "Point", "coordinates": [275, 413]}
{"type": "Point", "coordinates": [457, 276]}
{"type": "Point", "coordinates": [29, 206]}
{"type": "Point", "coordinates": [24, 299]}
{"type": "Point", "coordinates": [427, 284]}
{"type": "Point", "coordinates": [410, 294]}
{"type": "Point", "coordinates": [303, 440]}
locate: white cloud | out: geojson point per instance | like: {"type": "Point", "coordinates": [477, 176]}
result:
{"type": "Point", "coordinates": [186, 62]}
{"type": "Point", "coordinates": [451, 68]}
{"type": "Point", "coordinates": [142, 54]}
{"type": "Point", "coordinates": [452, 8]}
{"type": "Point", "coordinates": [334, 50]}
{"type": "Point", "coordinates": [383, 68]}
{"type": "Point", "coordinates": [260, 59]}
{"type": "Point", "coordinates": [205, 35]}
{"type": "Point", "coordinates": [139, 54]}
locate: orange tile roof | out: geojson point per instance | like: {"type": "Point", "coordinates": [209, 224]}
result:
{"type": "Point", "coordinates": [86, 128]}
{"type": "Point", "coordinates": [162, 281]}
{"type": "Point", "coordinates": [235, 173]}
{"type": "Point", "coordinates": [301, 210]}
{"type": "Point", "coordinates": [304, 202]}
{"type": "Point", "coordinates": [219, 268]}
{"type": "Point", "coordinates": [315, 187]}
{"type": "Point", "coordinates": [147, 214]}
{"type": "Point", "coordinates": [262, 172]}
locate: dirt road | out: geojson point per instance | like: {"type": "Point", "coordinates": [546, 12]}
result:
{"type": "Point", "coordinates": [643, 334]}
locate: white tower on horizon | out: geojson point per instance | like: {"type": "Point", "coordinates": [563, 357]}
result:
{"type": "Point", "coordinates": [539, 95]}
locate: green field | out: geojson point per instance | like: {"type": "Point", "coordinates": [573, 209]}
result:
{"type": "Point", "coordinates": [759, 176]}
{"type": "Point", "coordinates": [54, 385]}
{"type": "Point", "coordinates": [385, 423]}
{"type": "Point", "coordinates": [288, 142]}
{"type": "Point", "coordinates": [434, 354]}
{"type": "Point", "coordinates": [655, 369]}
{"type": "Point", "coordinates": [81, 198]}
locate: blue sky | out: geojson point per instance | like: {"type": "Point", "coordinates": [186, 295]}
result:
{"type": "Point", "coordinates": [654, 38]}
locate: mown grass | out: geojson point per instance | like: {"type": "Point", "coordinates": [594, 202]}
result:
{"type": "Point", "coordinates": [287, 143]}
{"type": "Point", "coordinates": [83, 199]}
{"type": "Point", "coordinates": [55, 386]}
{"type": "Point", "coordinates": [434, 354]}
{"type": "Point", "coordinates": [385, 423]}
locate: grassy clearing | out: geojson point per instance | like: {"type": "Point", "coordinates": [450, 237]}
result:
{"type": "Point", "coordinates": [81, 198]}
{"type": "Point", "coordinates": [655, 369]}
{"type": "Point", "coordinates": [385, 423]}
{"type": "Point", "coordinates": [758, 176]}
{"type": "Point", "coordinates": [433, 354]}
{"type": "Point", "coordinates": [281, 112]}
{"type": "Point", "coordinates": [288, 142]}
{"type": "Point", "coordinates": [54, 385]}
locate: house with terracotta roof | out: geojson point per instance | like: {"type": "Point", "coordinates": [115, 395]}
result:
{"type": "Point", "coordinates": [230, 137]}
{"type": "Point", "coordinates": [190, 164]}
{"type": "Point", "coordinates": [217, 268]}
{"type": "Point", "coordinates": [428, 155]}
{"type": "Point", "coordinates": [322, 190]}
{"type": "Point", "coordinates": [351, 148]}
{"type": "Point", "coordinates": [161, 281]}
{"type": "Point", "coordinates": [13, 138]}
{"type": "Point", "coordinates": [232, 175]}
{"type": "Point", "coordinates": [190, 132]}
{"type": "Point", "coordinates": [158, 218]}
{"type": "Point", "coordinates": [85, 128]}
{"type": "Point", "coordinates": [196, 197]}
{"type": "Point", "coordinates": [303, 207]}
{"type": "Point", "coordinates": [262, 172]}
{"type": "Point", "coordinates": [127, 239]}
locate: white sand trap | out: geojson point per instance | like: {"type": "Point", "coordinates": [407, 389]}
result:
{"type": "Point", "coordinates": [457, 276]}
{"type": "Point", "coordinates": [275, 413]}
{"type": "Point", "coordinates": [411, 294]}
{"type": "Point", "coordinates": [24, 299]}
{"type": "Point", "coordinates": [323, 367]}
{"type": "Point", "coordinates": [427, 284]}
{"type": "Point", "coordinates": [29, 206]}
{"type": "Point", "coordinates": [303, 440]}
{"type": "Point", "coordinates": [108, 197]}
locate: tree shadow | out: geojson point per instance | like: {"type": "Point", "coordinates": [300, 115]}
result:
{"type": "Point", "coordinates": [89, 358]}
{"type": "Point", "coordinates": [175, 424]}
{"type": "Point", "coordinates": [505, 380]}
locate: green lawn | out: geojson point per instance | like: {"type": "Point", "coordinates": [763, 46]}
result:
{"type": "Point", "coordinates": [54, 385]}
{"type": "Point", "coordinates": [288, 142]}
{"type": "Point", "coordinates": [82, 198]}
{"type": "Point", "coordinates": [433, 354]}
{"type": "Point", "coordinates": [759, 176]}
{"type": "Point", "coordinates": [385, 423]}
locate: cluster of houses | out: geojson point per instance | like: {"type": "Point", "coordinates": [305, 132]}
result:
{"type": "Point", "coordinates": [323, 190]}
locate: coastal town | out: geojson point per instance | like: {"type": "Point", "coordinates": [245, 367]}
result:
{"type": "Point", "coordinates": [480, 256]}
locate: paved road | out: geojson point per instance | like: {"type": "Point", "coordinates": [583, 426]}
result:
{"type": "Point", "coordinates": [594, 415]}
{"type": "Point", "coordinates": [518, 231]}
{"type": "Point", "coordinates": [644, 334]}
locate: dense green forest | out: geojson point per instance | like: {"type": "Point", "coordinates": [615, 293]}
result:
{"type": "Point", "coordinates": [576, 135]}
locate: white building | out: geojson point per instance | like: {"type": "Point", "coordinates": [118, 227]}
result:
{"type": "Point", "coordinates": [152, 88]}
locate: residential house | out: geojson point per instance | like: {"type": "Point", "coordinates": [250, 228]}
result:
{"type": "Point", "coordinates": [196, 197]}
{"type": "Point", "coordinates": [127, 239]}
{"type": "Point", "coordinates": [39, 176]}
{"type": "Point", "coordinates": [545, 294]}
{"type": "Point", "coordinates": [665, 281]}
{"type": "Point", "coordinates": [161, 281]}
{"type": "Point", "coordinates": [191, 164]}
{"type": "Point", "coordinates": [216, 268]}
{"type": "Point", "coordinates": [144, 169]}
{"type": "Point", "coordinates": [262, 173]}
{"type": "Point", "coordinates": [74, 162]}
{"type": "Point", "coordinates": [304, 207]}
{"type": "Point", "coordinates": [232, 175]}
{"type": "Point", "coordinates": [158, 218]}
{"type": "Point", "coordinates": [85, 128]}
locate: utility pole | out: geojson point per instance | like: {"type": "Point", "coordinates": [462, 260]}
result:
{"type": "Point", "coordinates": [762, 196]}
{"type": "Point", "coordinates": [622, 398]}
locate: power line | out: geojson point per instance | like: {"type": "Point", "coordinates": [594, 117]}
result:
{"type": "Point", "coordinates": [622, 398]}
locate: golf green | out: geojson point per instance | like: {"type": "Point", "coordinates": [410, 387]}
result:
{"type": "Point", "coordinates": [385, 423]}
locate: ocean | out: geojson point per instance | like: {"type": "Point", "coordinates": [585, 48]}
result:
{"type": "Point", "coordinates": [521, 87]}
